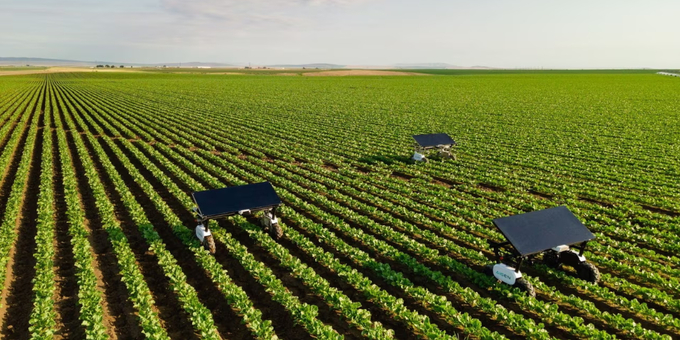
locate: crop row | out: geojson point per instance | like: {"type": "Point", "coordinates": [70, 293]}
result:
{"type": "Point", "coordinates": [394, 229]}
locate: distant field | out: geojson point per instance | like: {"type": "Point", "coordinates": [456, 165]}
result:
{"type": "Point", "coordinates": [229, 70]}
{"type": "Point", "coordinates": [423, 71]}
{"type": "Point", "coordinates": [97, 239]}
{"type": "Point", "coordinates": [493, 71]}
{"type": "Point", "coordinates": [21, 68]}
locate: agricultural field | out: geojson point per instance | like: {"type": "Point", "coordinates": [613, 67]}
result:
{"type": "Point", "coordinates": [97, 239]}
{"type": "Point", "coordinates": [21, 68]}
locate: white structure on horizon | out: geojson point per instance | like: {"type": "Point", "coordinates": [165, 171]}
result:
{"type": "Point", "coordinates": [669, 74]}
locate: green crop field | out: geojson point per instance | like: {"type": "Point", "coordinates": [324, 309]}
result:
{"type": "Point", "coordinates": [97, 234]}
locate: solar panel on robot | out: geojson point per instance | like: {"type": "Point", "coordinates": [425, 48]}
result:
{"type": "Point", "coordinates": [553, 233]}
{"type": "Point", "coordinates": [439, 142]}
{"type": "Point", "coordinates": [245, 200]}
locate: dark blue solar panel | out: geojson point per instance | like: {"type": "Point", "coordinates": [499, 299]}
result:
{"type": "Point", "coordinates": [230, 200]}
{"type": "Point", "coordinates": [536, 231]}
{"type": "Point", "coordinates": [433, 139]}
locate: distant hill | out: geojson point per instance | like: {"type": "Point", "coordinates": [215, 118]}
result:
{"type": "Point", "coordinates": [317, 65]}
{"type": "Point", "coordinates": [424, 66]}
{"type": "Point", "coordinates": [22, 61]}
{"type": "Point", "coordinates": [436, 66]}
{"type": "Point", "coordinates": [191, 64]}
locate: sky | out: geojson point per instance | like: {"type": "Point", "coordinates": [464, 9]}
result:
{"type": "Point", "coordinates": [494, 33]}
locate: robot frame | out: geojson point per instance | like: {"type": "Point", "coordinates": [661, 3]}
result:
{"type": "Point", "coordinates": [242, 200]}
{"type": "Point", "coordinates": [551, 232]}
{"type": "Point", "coordinates": [427, 143]}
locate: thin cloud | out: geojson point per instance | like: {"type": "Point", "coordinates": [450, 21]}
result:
{"type": "Point", "coordinates": [282, 13]}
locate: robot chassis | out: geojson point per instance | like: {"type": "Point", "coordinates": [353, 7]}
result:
{"type": "Point", "coordinates": [244, 200]}
{"type": "Point", "coordinates": [539, 233]}
{"type": "Point", "coordinates": [267, 220]}
{"type": "Point", "coordinates": [425, 144]}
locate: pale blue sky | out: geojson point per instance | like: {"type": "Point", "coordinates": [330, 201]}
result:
{"type": "Point", "coordinates": [550, 34]}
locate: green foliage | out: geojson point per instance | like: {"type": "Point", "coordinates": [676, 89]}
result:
{"type": "Point", "coordinates": [409, 239]}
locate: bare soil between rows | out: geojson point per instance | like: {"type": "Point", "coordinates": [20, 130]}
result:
{"type": "Point", "coordinates": [18, 283]}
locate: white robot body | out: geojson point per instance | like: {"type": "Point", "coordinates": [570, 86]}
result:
{"type": "Point", "coordinates": [506, 273]}
{"type": "Point", "coordinates": [418, 157]}
{"type": "Point", "coordinates": [202, 232]}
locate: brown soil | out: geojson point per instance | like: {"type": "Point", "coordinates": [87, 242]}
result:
{"type": "Point", "coordinates": [402, 176]}
{"type": "Point", "coordinates": [409, 302]}
{"type": "Point", "coordinates": [596, 201]}
{"type": "Point", "coordinates": [173, 317]}
{"type": "Point", "coordinates": [66, 290]}
{"type": "Point", "coordinates": [12, 100]}
{"type": "Point", "coordinates": [294, 285]}
{"type": "Point", "coordinates": [494, 189]}
{"type": "Point", "coordinates": [228, 323]}
{"type": "Point", "coordinates": [14, 123]}
{"type": "Point", "coordinates": [330, 167]}
{"type": "Point", "coordinates": [19, 281]}
{"type": "Point", "coordinates": [445, 182]}
{"type": "Point", "coordinates": [443, 324]}
{"type": "Point", "coordinates": [377, 313]}
{"type": "Point", "coordinates": [120, 317]}
{"type": "Point", "coordinates": [7, 179]}
{"type": "Point", "coordinates": [342, 73]}
{"type": "Point", "coordinates": [540, 195]}
{"type": "Point", "coordinates": [147, 262]}
{"type": "Point", "coordinates": [225, 319]}
{"type": "Point", "coordinates": [488, 321]}
{"type": "Point", "coordinates": [489, 187]}
{"type": "Point", "coordinates": [326, 315]}
{"type": "Point", "coordinates": [661, 211]}
{"type": "Point", "coordinates": [282, 321]}
{"type": "Point", "coordinates": [567, 291]}
{"type": "Point", "coordinates": [362, 170]}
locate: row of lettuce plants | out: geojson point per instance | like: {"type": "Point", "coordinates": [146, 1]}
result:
{"type": "Point", "coordinates": [42, 320]}
{"type": "Point", "coordinates": [234, 294]}
{"type": "Point", "coordinates": [200, 316]}
{"type": "Point", "coordinates": [15, 198]}
{"type": "Point", "coordinates": [137, 288]}
{"type": "Point", "coordinates": [89, 296]}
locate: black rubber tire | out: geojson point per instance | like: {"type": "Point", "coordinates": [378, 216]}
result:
{"type": "Point", "coordinates": [525, 286]}
{"type": "Point", "coordinates": [552, 259]}
{"type": "Point", "coordinates": [263, 223]}
{"type": "Point", "coordinates": [488, 270]}
{"type": "Point", "coordinates": [276, 231]}
{"type": "Point", "coordinates": [588, 272]}
{"type": "Point", "coordinates": [209, 244]}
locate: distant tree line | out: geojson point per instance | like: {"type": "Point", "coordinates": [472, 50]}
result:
{"type": "Point", "coordinates": [110, 66]}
